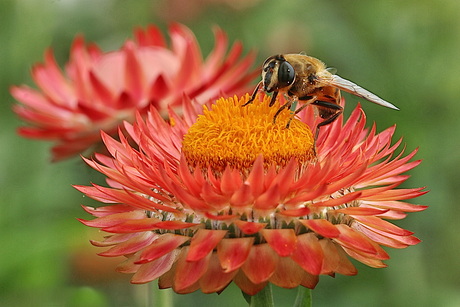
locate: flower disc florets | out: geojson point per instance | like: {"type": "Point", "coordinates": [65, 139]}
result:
{"type": "Point", "coordinates": [232, 136]}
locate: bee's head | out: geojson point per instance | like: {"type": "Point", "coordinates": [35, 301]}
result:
{"type": "Point", "coordinates": [277, 73]}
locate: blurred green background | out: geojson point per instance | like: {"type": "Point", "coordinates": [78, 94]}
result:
{"type": "Point", "coordinates": [406, 51]}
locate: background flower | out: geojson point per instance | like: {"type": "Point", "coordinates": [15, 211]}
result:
{"type": "Point", "coordinates": [99, 89]}
{"type": "Point", "coordinates": [197, 218]}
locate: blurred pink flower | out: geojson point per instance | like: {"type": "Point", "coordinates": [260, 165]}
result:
{"type": "Point", "coordinates": [232, 196]}
{"type": "Point", "coordinates": [99, 90]}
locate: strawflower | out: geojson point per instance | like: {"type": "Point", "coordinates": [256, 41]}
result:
{"type": "Point", "coordinates": [99, 90]}
{"type": "Point", "coordinates": [231, 196]}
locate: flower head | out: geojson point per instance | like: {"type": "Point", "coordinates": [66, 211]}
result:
{"type": "Point", "coordinates": [231, 196]}
{"type": "Point", "coordinates": [99, 90]}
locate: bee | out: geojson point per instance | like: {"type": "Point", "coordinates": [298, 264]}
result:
{"type": "Point", "coordinates": [305, 79]}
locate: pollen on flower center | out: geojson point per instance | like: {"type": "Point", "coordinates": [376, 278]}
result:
{"type": "Point", "coordinates": [229, 134]}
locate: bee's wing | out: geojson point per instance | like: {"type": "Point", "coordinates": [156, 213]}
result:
{"type": "Point", "coordinates": [357, 90]}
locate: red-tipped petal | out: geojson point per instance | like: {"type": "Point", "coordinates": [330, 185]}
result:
{"type": "Point", "coordinates": [189, 272]}
{"type": "Point", "coordinates": [215, 279]}
{"type": "Point", "coordinates": [310, 281]}
{"type": "Point", "coordinates": [249, 228]}
{"type": "Point", "coordinates": [283, 241]}
{"type": "Point", "coordinates": [246, 285]}
{"type": "Point", "coordinates": [354, 240]}
{"type": "Point", "coordinates": [309, 253]}
{"type": "Point", "coordinates": [203, 242]}
{"type": "Point", "coordinates": [288, 274]}
{"type": "Point", "coordinates": [233, 253]}
{"type": "Point", "coordinates": [322, 227]}
{"type": "Point", "coordinates": [261, 263]}
{"type": "Point", "coordinates": [335, 259]}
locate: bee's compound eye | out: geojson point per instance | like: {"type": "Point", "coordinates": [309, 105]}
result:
{"type": "Point", "coordinates": [286, 73]}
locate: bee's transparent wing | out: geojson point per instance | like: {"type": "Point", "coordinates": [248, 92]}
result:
{"type": "Point", "coordinates": [357, 90]}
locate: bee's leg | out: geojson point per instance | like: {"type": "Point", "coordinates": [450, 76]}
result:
{"type": "Point", "coordinates": [306, 103]}
{"type": "Point", "coordinates": [253, 94]}
{"type": "Point", "coordinates": [272, 101]}
{"type": "Point", "coordinates": [284, 106]}
{"type": "Point", "coordinates": [328, 111]}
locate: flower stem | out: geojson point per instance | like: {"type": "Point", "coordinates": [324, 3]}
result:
{"type": "Point", "coordinates": [157, 297]}
{"type": "Point", "coordinates": [264, 298]}
{"type": "Point", "coordinates": [304, 298]}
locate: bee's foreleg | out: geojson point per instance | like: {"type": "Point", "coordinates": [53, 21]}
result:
{"type": "Point", "coordinates": [272, 101]}
{"type": "Point", "coordinates": [284, 106]}
{"type": "Point", "coordinates": [253, 94]}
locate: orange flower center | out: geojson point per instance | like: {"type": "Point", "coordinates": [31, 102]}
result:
{"type": "Point", "coordinates": [229, 134]}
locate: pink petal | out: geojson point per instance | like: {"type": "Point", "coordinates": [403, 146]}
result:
{"type": "Point", "coordinates": [165, 243]}
{"type": "Point", "coordinates": [131, 246]}
{"type": "Point", "coordinates": [153, 270]}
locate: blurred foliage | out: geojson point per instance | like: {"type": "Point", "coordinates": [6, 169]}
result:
{"type": "Point", "coordinates": [406, 51]}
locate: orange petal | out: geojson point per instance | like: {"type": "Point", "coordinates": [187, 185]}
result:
{"type": "Point", "coordinates": [268, 200]}
{"type": "Point", "coordinates": [296, 212]}
{"type": "Point", "coordinates": [322, 227]}
{"type": "Point", "coordinates": [242, 196]}
{"type": "Point", "coordinates": [203, 242]}
{"type": "Point", "coordinates": [215, 279]}
{"type": "Point", "coordinates": [231, 181]}
{"type": "Point", "coordinates": [189, 272]}
{"type": "Point", "coordinates": [154, 269]}
{"type": "Point", "coordinates": [256, 177]}
{"type": "Point", "coordinates": [249, 228]}
{"type": "Point", "coordinates": [128, 266]}
{"type": "Point", "coordinates": [309, 254]}
{"type": "Point", "coordinates": [164, 244]}
{"type": "Point", "coordinates": [167, 279]}
{"type": "Point", "coordinates": [288, 274]}
{"type": "Point", "coordinates": [283, 241]}
{"type": "Point", "coordinates": [261, 263]}
{"type": "Point", "coordinates": [246, 285]}
{"type": "Point", "coordinates": [335, 259]}
{"type": "Point", "coordinates": [360, 211]}
{"type": "Point", "coordinates": [309, 281]}
{"type": "Point", "coordinates": [233, 253]}
{"type": "Point", "coordinates": [366, 259]}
